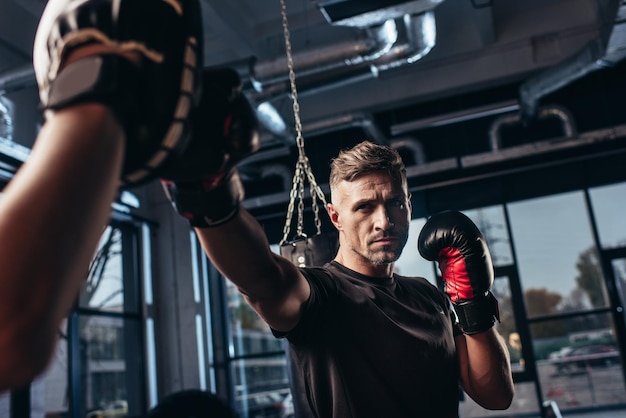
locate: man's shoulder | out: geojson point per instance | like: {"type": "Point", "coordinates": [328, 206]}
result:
{"type": "Point", "coordinates": [328, 269]}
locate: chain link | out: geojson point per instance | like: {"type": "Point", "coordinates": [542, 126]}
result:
{"type": "Point", "coordinates": [303, 166]}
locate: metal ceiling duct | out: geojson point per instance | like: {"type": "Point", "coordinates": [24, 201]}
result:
{"type": "Point", "coordinates": [604, 51]}
{"type": "Point", "coordinates": [323, 65]}
{"type": "Point", "coordinates": [382, 46]}
{"type": "Point", "coordinates": [560, 113]}
{"type": "Point", "coordinates": [351, 120]}
{"type": "Point", "coordinates": [364, 13]}
{"type": "Point", "coordinates": [413, 146]}
{"type": "Point", "coordinates": [251, 169]}
{"type": "Point", "coordinates": [343, 63]}
{"type": "Point", "coordinates": [320, 127]}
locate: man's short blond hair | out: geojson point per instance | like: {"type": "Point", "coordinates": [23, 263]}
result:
{"type": "Point", "coordinates": [366, 157]}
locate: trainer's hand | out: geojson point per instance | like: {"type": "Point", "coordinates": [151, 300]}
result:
{"type": "Point", "coordinates": [453, 240]}
{"type": "Point", "coordinates": [152, 95]}
{"type": "Point", "coordinates": [204, 185]}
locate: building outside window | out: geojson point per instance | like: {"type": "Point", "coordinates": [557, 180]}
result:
{"type": "Point", "coordinates": [99, 364]}
{"type": "Point", "coordinates": [258, 361]}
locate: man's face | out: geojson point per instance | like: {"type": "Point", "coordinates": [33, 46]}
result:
{"type": "Point", "coordinates": [372, 214]}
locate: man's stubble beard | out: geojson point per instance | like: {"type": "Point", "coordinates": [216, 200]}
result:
{"type": "Point", "coordinates": [380, 258]}
{"type": "Point", "coordinates": [383, 257]}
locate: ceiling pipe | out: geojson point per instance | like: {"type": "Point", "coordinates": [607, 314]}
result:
{"type": "Point", "coordinates": [351, 120]}
{"type": "Point", "coordinates": [346, 63]}
{"type": "Point", "coordinates": [359, 13]}
{"type": "Point", "coordinates": [320, 127]}
{"type": "Point", "coordinates": [413, 146]}
{"type": "Point", "coordinates": [273, 121]}
{"type": "Point", "coordinates": [335, 66]}
{"type": "Point", "coordinates": [269, 117]}
{"type": "Point", "coordinates": [455, 117]}
{"type": "Point", "coordinates": [271, 78]}
{"type": "Point", "coordinates": [559, 112]}
{"type": "Point", "coordinates": [604, 51]}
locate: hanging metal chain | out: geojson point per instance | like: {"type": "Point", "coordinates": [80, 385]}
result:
{"type": "Point", "coordinates": [303, 166]}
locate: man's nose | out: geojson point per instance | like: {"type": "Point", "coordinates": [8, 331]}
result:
{"type": "Point", "coordinates": [383, 219]}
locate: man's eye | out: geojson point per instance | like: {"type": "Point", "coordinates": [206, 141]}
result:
{"type": "Point", "coordinates": [396, 203]}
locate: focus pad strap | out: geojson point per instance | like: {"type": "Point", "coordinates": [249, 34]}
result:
{"type": "Point", "coordinates": [108, 79]}
{"type": "Point", "coordinates": [478, 314]}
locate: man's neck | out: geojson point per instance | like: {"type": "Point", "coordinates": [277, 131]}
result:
{"type": "Point", "coordinates": [365, 267]}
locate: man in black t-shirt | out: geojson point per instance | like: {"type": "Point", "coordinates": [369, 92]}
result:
{"type": "Point", "coordinates": [372, 347]}
{"type": "Point", "coordinates": [364, 341]}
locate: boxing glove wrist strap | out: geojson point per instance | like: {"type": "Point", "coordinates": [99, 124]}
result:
{"type": "Point", "coordinates": [206, 208]}
{"type": "Point", "coordinates": [477, 315]}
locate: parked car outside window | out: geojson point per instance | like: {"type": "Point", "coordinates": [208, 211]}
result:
{"type": "Point", "coordinates": [579, 358]}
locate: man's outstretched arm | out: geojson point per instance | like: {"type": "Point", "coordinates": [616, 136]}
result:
{"type": "Point", "coordinates": [271, 284]}
{"type": "Point", "coordinates": [205, 188]}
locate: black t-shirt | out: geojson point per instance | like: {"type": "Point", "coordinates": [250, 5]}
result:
{"type": "Point", "coordinates": [371, 347]}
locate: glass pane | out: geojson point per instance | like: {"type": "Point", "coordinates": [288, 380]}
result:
{"type": "Point", "coordinates": [557, 260]}
{"type": "Point", "coordinates": [250, 335]}
{"type": "Point", "coordinates": [410, 262]}
{"type": "Point", "coordinates": [112, 375]}
{"type": "Point", "coordinates": [5, 404]}
{"type": "Point", "coordinates": [501, 289]}
{"type": "Point", "coordinates": [261, 385]}
{"type": "Point", "coordinates": [51, 389]}
{"type": "Point", "coordinates": [492, 224]}
{"type": "Point", "coordinates": [619, 272]}
{"type": "Point", "coordinates": [524, 403]}
{"type": "Point", "coordinates": [608, 204]}
{"type": "Point", "coordinates": [578, 362]}
{"type": "Point", "coordinates": [104, 288]}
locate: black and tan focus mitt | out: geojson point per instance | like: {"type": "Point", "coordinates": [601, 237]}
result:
{"type": "Point", "coordinates": [151, 99]}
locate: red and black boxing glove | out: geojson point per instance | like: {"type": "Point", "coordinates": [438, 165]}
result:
{"type": "Point", "coordinates": [152, 99]}
{"type": "Point", "coordinates": [204, 184]}
{"type": "Point", "coordinates": [459, 248]}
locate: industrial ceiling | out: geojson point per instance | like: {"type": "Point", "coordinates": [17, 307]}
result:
{"type": "Point", "coordinates": [384, 70]}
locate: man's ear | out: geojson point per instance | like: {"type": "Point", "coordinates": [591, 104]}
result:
{"type": "Point", "coordinates": [334, 215]}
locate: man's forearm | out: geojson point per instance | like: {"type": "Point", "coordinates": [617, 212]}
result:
{"type": "Point", "coordinates": [271, 284]}
{"type": "Point", "coordinates": [240, 251]}
{"type": "Point", "coordinates": [486, 371]}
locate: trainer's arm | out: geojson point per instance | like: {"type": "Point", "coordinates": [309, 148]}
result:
{"type": "Point", "coordinates": [271, 284]}
{"type": "Point", "coordinates": [52, 214]}
{"type": "Point", "coordinates": [485, 369]}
